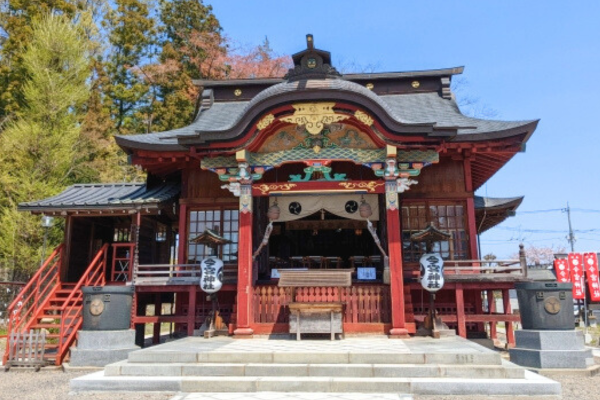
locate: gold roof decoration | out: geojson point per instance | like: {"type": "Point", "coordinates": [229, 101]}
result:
{"type": "Point", "coordinates": [314, 116]}
{"type": "Point", "coordinates": [430, 234]}
{"type": "Point", "coordinates": [210, 238]}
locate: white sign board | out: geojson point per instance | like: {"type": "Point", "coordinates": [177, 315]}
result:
{"type": "Point", "coordinates": [366, 273]}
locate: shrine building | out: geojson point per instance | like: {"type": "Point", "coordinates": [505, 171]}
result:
{"type": "Point", "coordinates": [317, 171]}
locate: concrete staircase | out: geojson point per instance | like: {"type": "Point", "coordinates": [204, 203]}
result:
{"type": "Point", "coordinates": [421, 366]}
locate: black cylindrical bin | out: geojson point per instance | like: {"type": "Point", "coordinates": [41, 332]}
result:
{"type": "Point", "coordinates": [546, 305]}
{"type": "Point", "coordinates": [106, 308]}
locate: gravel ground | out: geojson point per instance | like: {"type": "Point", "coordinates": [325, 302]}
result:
{"type": "Point", "coordinates": [53, 384]}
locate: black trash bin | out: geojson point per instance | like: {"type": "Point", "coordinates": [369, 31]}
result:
{"type": "Point", "coordinates": [107, 308]}
{"type": "Point", "coordinates": [546, 305]}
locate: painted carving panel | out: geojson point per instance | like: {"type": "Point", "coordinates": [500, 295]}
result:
{"type": "Point", "coordinates": [338, 135]}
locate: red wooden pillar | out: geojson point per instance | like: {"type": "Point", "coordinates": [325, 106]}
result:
{"type": "Point", "coordinates": [395, 259]}
{"type": "Point", "coordinates": [191, 317]}
{"type": "Point", "coordinates": [478, 299]}
{"type": "Point", "coordinates": [510, 334]}
{"type": "Point", "coordinates": [157, 313]}
{"type": "Point", "coordinates": [182, 259]}
{"type": "Point", "coordinates": [183, 233]}
{"type": "Point", "coordinates": [244, 285]}
{"type": "Point", "coordinates": [460, 311]}
{"type": "Point", "coordinates": [472, 226]}
{"type": "Point", "coordinates": [492, 309]}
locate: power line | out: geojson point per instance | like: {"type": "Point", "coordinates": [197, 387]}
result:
{"type": "Point", "coordinates": [517, 229]}
{"type": "Point", "coordinates": [539, 211]}
{"type": "Point", "coordinates": [583, 210]}
{"type": "Point", "coordinates": [500, 241]}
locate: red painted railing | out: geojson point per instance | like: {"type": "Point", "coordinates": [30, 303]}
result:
{"type": "Point", "coordinates": [71, 310]}
{"type": "Point", "coordinates": [25, 307]}
{"type": "Point", "coordinates": [363, 304]}
{"type": "Point", "coordinates": [122, 262]}
{"type": "Point", "coordinates": [488, 268]}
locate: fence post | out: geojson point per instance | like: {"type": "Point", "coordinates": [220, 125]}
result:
{"type": "Point", "coordinates": [523, 260]}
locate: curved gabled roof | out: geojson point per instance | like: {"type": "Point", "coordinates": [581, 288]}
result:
{"type": "Point", "coordinates": [420, 111]}
{"type": "Point", "coordinates": [415, 103]}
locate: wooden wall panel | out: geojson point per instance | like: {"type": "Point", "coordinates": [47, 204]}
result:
{"type": "Point", "coordinates": [205, 186]}
{"type": "Point", "coordinates": [147, 242]}
{"type": "Point", "coordinates": [442, 180]}
{"type": "Point", "coordinates": [80, 247]}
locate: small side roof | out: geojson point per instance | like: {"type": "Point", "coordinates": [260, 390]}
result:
{"type": "Point", "coordinates": [491, 211]}
{"type": "Point", "coordinates": [111, 196]}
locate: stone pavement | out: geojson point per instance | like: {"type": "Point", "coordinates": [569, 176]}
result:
{"type": "Point", "coordinates": [263, 368]}
{"type": "Point", "coordinates": [292, 396]}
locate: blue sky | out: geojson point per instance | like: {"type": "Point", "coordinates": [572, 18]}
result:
{"type": "Point", "coordinates": [525, 60]}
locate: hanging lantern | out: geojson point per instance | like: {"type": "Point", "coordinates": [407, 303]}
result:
{"type": "Point", "coordinates": [211, 279]}
{"type": "Point", "coordinates": [365, 209]}
{"type": "Point", "coordinates": [432, 272]}
{"type": "Point", "coordinates": [274, 212]}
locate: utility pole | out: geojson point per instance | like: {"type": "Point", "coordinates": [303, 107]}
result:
{"type": "Point", "coordinates": [571, 239]}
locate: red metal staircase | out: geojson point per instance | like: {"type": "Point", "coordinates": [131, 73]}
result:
{"type": "Point", "coordinates": [47, 303]}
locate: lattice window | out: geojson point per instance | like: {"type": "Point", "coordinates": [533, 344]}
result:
{"type": "Point", "coordinates": [225, 222]}
{"type": "Point", "coordinates": [161, 232]}
{"type": "Point", "coordinates": [445, 216]}
{"type": "Point", "coordinates": [121, 234]}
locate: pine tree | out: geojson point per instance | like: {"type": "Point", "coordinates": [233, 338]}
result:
{"type": "Point", "coordinates": [40, 149]}
{"type": "Point", "coordinates": [132, 35]}
{"type": "Point", "coordinates": [16, 17]}
{"type": "Point", "coordinates": [185, 26]}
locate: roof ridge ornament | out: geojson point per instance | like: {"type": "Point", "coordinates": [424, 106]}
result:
{"type": "Point", "coordinates": [310, 45]}
{"type": "Point", "coordinates": [312, 63]}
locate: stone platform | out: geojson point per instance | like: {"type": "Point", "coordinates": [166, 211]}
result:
{"type": "Point", "coordinates": [99, 348]}
{"type": "Point", "coordinates": [551, 349]}
{"type": "Point", "coordinates": [376, 365]}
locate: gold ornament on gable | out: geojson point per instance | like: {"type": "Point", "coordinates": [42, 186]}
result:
{"type": "Point", "coordinates": [265, 121]}
{"type": "Point", "coordinates": [314, 116]}
{"type": "Point", "coordinates": [363, 117]}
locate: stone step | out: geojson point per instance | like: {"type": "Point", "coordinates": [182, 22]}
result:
{"type": "Point", "coordinates": [509, 371]}
{"type": "Point", "coordinates": [306, 357]}
{"type": "Point", "coordinates": [532, 384]}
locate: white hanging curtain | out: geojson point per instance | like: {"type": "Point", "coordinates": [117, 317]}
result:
{"type": "Point", "coordinates": [342, 205]}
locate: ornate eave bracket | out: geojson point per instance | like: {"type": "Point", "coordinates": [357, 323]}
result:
{"type": "Point", "coordinates": [396, 179]}
{"type": "Point", "coordinates": [240, 180]}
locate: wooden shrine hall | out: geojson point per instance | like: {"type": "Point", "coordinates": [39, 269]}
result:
{"type": "Point", "coordinates": [315, 171]}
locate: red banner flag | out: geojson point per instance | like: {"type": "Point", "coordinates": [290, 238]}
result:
{"type": "Point", "coordinates": [590, 260]}
{"type": "Point", "coordinates": [563, 272]}
{"type": "Point", "coordinates": [576, 266]}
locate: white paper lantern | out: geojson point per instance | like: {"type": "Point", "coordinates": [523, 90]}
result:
{"type": "Point", "coordinates": [432, 272]}
{"type": "Point", "coordinates": [211, 279]}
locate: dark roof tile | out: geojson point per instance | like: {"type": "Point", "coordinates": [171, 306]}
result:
{"type": "Point", "coordinates": [105, 196]}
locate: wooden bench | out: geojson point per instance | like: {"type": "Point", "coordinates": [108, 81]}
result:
{"type": "Point", "coordinates": [316, 317]}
